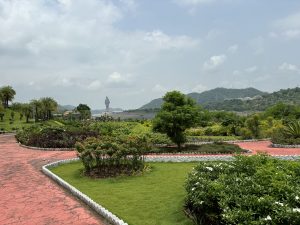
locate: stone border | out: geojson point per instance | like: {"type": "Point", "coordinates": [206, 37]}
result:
{"type": "Point", "coordinates": [113, 219]}
{"type": "Point", "coordinates": [46, 149]}
{"type": "Point", "coordinates": [110, 217]}
{"type": "Point", "coordinates": [284, 146]}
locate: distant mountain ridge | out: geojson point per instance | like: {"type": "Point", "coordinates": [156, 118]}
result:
{"type": "Point", "coordinates": [288, 96]}
{"type": "Point", "coordinates": [216, 95]}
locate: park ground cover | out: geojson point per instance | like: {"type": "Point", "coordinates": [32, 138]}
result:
{"type": "Point", "coordinates": [155, 197]}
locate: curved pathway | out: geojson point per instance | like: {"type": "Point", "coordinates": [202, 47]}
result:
{"type": "Point", "coordinates": [28, 197]}
{"type": "Point", "coordinates": [264, 146]}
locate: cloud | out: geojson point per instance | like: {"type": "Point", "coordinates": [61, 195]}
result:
{"type": "Point", "coordinates": [162, 41]}
{"type": "Point", "coordinates": [289, 67]}
{"type": "Point", "coordinates": [288, 27]}
{"type": "Point", "coordinates": [159, 88]}
{"type": "Point", "coordinates": [199, 88]}
{"type": "Point", "coordinates": [233, 49]}
{"type": "Point", "coordinates": [257, 45]}
{"type": "Point", "coordinates": [193, 2]}
{"type": "Point", "coordinates": [94, 85]}
{"type": "Point", "coordinates": [251, 69]}
{"type": "Point", "coordinates": [117, 80]}
{"type": "Point", "coordinates": [214, 62]}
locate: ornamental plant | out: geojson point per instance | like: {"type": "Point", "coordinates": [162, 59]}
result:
{"type": "Point", "coordinates": [110, 156]}
{"type": "Point", "coordinates": [252, 190]}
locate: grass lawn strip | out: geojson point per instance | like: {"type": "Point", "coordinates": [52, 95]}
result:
{"type": "Point", "coordinates": [155, 197]}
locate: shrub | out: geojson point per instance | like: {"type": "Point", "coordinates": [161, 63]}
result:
{"type": "Point", "coordinates": [250, 190]}
{"type": "Point", "coordinates": [289, 134]}
{"type": "Point", "coordinates": [111, 156]}
{"type": "Point", "coordinates": [52, 137]}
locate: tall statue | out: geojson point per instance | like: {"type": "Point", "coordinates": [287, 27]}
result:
{"type": "Point", "coordinates": [107, 102]}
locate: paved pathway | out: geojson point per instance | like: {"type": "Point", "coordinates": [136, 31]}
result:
{"type": "Point", "coordinates": [264, 146]}
{"type": "Point", "coordinates": [28, 197]}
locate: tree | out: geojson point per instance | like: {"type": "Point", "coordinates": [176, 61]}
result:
{"type": "Point", "coordinates": [84, 110]}
{"type": "Point", "coordinates": [178, 113]}
{"type": "Point", "coordinates": [48, 105]}
{"type": "Point", "coordinates": [7, 95]}
{"type": "Point", "coordinates": [37, 106]}
{"type": "Point", "coordinates": [27, 110]}
{"type": "Point", "coordinates": [252, 123]}
{"type": "Point", "coordinates": [2, 112]}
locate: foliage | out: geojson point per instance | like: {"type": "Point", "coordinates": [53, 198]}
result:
{"type": "Point", "coordinates": [177, 114]}
{"type": "Point", "coordinates": [289, 134]}
{"type": "Point", "coordinates": [105, 118]}
{"type": "Point", "coordinates": [7, 94]}
{"type": "Point", "coordinates": [111, 156]}
{"type": "Point", "coordinates": [211, 148]}
{"type": "Point", "coordinates": [250, 190]}
{"type": "Point", "coordinates": [252, 123]}
{"type": "Point", "coordinates": [52, 137]}
{"type": "Point", "coordinates": [212, 138]}
{"type": "Point", "coordinates": [84, 110]}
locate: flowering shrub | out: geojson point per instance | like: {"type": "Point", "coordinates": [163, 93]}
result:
{"type": "Point", "coordinates": [250, 190]}
{"type": "Point", "coordinates": [111, 156]}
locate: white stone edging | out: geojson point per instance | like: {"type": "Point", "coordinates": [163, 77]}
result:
{"type": "Point", "coordinates": [284, 146]}
{"type": "Point", "coordinates": [46, 149]}
{"type": "Point", "coordinates": [109, 216]}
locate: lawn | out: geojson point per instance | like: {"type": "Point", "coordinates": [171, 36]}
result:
{"type": "Point", "coordinates": [154, 198]}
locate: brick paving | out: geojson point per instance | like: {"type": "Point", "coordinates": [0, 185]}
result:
{"type": "Point", "coordinates": [28, 197]}
{"type": "Point", "coordinates": [264, 146]}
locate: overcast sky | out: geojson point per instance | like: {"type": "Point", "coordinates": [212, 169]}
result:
{"type": "Point", "coordinates": [79, 51]}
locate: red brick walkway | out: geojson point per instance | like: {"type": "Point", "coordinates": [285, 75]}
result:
{"type": "Point", "coordinates": [29, 197]}
{"type": "Point", "coordinates": [264, 146]}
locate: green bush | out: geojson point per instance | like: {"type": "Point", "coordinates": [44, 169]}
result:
{"type": "Point", "coordinates": [288, 135]}
{"type": "Point", "coordinates": [110, 156]}
{"type": "Point", "coordinates": [53, 137]}
{"type": "Point", "coordinates": [250, 190]}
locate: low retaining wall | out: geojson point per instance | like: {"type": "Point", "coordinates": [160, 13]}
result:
{"type": "Point", "coordinates": [284, 146]}
{"type": "Point", "coordinates": [110, 217]}
{"type": "Point", "coordinates": [46, 149]}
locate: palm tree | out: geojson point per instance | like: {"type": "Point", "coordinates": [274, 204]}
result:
{"type": "Point", "coordinates": [7, 95]}
{"type": "Point", "coordinates": [27, 110]}
{"type": "Point", "coordinates": [37, 106]}
{"type": "Point", "coordinates": [49, 105]}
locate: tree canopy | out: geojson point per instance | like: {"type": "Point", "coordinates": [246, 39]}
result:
{"type": "Point", "coordinates": [178, 113]}
{"type": "Point", "coordinates": [7, 94]}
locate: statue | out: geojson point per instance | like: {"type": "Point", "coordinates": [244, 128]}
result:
{"type": "Point", "coordinates": [107, 102]}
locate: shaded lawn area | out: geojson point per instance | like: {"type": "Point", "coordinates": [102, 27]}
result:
{"type": "Point", "coordinates": [154, 198]}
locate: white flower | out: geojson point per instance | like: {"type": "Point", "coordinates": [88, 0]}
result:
{"type": "Point", "coordinates": [268, 218]}
{"type": "Point", "coordinates": [297, 198]}
{"type": "Point", "coordinates": [279, 203]}
{"type": "Point", "coordinates": [201, 202]}
{"type": "Point", "coordinates": [197, 183]}
{"type": "Point", "coordinates": [296, 210]}
{"type": "Point", "coordinates": [193, 189]}
{"type": "Point", "coordinates": [209, 168]}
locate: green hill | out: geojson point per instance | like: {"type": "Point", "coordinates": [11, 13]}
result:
{"type": "Point", "coordinates": [289, 96]}
{"type": "Point", "coordinates": [212, 96]}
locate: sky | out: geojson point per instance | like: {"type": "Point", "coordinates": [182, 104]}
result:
{"type": "Point", "coordinates": [80, 51]}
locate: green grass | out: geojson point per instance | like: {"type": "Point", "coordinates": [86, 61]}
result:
{"type": "Point", "coordinates": [154, 198]}
{"type": "Point", "coordinates": [8, 126]}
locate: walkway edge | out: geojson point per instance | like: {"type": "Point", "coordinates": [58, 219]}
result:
{"type": "Point", "coordinates": [113, 219]}
{"type": "Point", "coordinates": [109, 216]}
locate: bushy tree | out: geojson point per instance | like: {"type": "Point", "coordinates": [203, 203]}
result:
{"type": "Point", "coordinates": [7, 95]}
{"type": "Point", "coordinates": [252, 123]}
{"type": "Point", "coordinates": [178, 113]}
{"type": "Point", "coordinates": [84, 110]}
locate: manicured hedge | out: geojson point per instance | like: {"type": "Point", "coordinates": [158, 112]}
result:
{"type": "Point", "coordinates": [250, 190]}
